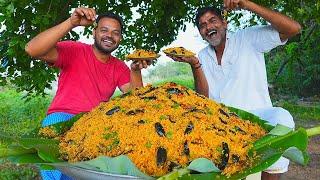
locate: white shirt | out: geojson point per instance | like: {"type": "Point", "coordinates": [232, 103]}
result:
{"type": "Point", "coordinates": [241, 79]}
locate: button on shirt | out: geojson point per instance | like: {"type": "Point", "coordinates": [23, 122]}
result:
{"type": "Point", "coordinates": [241, 79]}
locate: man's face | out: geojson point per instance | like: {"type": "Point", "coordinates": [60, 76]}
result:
{"type": "Point", "coordinates": [107, 35]}
{"type": "Point", "coordinates": [212, 28]}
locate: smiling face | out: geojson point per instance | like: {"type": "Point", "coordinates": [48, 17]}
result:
{"type": "Point", "coordinates": [107, 35]}
{"type": "Point", "coordinates": [212, 28]}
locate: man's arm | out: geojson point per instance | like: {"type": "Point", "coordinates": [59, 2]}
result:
{"type": "Point", "coordinates": [43, 46]}
{"type": "Point", "coordinates": [286, 26]}
{"type": "Point", "coordinates": [135, 75]}
{"type": "Point", "coordinates": [200, 81]}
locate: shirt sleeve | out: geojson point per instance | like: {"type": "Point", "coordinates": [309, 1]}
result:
{"type": "Point", "coordinates": [263, 38]}
{"type": "Point", "coordinates": [124, 75]}
{"type": "Point", "coordinates": [67, 51]}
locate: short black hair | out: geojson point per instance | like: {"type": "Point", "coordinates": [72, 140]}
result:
{"type": "Point", "coordinates": [112, 16]}
{"type": "Point", "coordinates": [201, 11]}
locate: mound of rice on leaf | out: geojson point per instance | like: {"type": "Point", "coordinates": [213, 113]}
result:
{"type": "Point", "coordinates": [161, 128]}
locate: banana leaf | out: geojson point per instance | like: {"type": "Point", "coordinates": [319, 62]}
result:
{"type": "Point", "coordinates": [280, 141]}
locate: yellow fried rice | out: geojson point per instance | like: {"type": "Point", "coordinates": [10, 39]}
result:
{"type": "Point", "coordinates": [160, 128]}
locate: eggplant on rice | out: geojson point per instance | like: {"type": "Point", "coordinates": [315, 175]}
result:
{"type": "Point", "coordinates": [161, 127]}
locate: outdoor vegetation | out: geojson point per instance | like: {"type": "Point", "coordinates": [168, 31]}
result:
{"type": "Point", "coordinates": [293, 70]}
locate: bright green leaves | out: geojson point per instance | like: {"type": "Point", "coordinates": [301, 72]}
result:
{"type": "Point", "coordinates": [203, 165]}
{"type": "Point", "coordinates": [156, 26]}
{"type": "Point", "coordinates": [281, 141]}
{"type": "Point", "coordinates": [10, 9]}
{"type": "Point", "coordinates": [280, 130]}
{"type": "Point", "coordinates": [117, 165]}
{"type": "Point", "coordinates": [26, 150]}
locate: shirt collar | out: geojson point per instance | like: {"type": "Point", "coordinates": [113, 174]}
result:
{"type": "Point", "coordinates": [212, 52]}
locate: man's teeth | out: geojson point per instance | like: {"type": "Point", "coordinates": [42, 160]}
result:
{"type": "Point", "coordinates": [107, 41]}
{"type": "Point", "coordinates": [212, 32]}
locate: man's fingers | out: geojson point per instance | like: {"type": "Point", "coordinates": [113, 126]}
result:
{"type": "Point", "coordinates": [144, 63]}
{"type": "Point", "coordinates": [87, 14]}
{"type": "Point", "coordinates": [149, 62]}
{"type": "Point", "coordinates": [138, 65]}
{"type": "Point", "coordinates": [173, 58]}
{"type": "Point", "coordinates": [231, 4]}
{"type": "Point", "coordinates": [234, 4]}
{"type": "Point", "coordinates": [227, 4]}
{"type": "Point", "coordinates": [93, 12]}
{"type": "Point", "coordinates": [79, 11]}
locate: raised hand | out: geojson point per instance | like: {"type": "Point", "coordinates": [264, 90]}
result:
{"type": "Point", "coordinates": [83, 16]}
{"type": "Point", "coordinates": [234, 4]}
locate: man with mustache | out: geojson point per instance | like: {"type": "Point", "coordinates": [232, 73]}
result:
{"type": "Point", "coordinates": [231, 69]}
{"type": "Point", "coordinates": [89, 74]}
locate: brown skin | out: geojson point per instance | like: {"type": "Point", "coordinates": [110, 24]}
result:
{"type": "Point", "coordinates": [286, 27]}
{"type": "Point", "coordinates": [107, 37]}
{"type": "Point", "coordinates": [268, 176]}
{"type": "Point", "coordinates": [209, 22]}
{"type": "Point", "coordinates": [200, 81]}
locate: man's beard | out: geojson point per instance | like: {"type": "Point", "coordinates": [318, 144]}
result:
{"type": "Point", "coordinates": [221, 34]}
{"type": "Point", "coordinates": [102, 49]}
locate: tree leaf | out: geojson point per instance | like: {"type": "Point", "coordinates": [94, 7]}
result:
{"type": "Point", "coordinates": [203, 165]}
{"type": "Point", "coordinates": [280, 130]}
{"type": "Point", "coordinates": [117, 165]}
{"type": "Point", "coordinates": [296, 155]}
{"type": "Point", "coordinates": [269, 149]}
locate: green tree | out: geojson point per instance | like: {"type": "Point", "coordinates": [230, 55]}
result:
{"type": "Point", "coordinates": [295, 68]}
{"type": "Point", "coordinates": [156, 25]}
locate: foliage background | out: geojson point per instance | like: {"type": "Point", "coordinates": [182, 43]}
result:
{"type": "Point", "coordinates": [294, 68]}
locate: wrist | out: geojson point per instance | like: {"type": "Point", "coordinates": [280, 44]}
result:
{"type": "Point", "coordinates": [136, 71]}
{"type": "Point", "coordinates": [71, 25]}
{"type": "Point", "coordinates": [246, 5]}
{"type": "Point", "coordinates": [193, 64]}
{"type": "Point", "coordinates": [196, 65]}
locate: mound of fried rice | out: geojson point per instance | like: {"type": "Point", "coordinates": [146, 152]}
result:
{"type": "Point", "coordinates": [161, 128]}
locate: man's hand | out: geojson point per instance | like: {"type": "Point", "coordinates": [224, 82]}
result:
{"type": "Point", "coordinates": [83, 17]}
{"type": "Point", "coordinates": [233, 4]}
{"type": "Point", "coordinates": [193, 61]}
{"type": "Point", "coordinates": [286, 26]}
{"type": "Point", "coordinates": [142, 64]}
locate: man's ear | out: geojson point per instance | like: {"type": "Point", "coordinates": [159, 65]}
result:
{"type": "Point", "coordinates": [225, 23]}
{"type": "Point", "coordinates": [94, 32]}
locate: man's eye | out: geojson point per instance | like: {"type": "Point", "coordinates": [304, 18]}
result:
{"type": "Point", "coordinates": [116, 33]}
{"type": "Point", "coordinates": [213, 21]}
{"type": "Point", "coordinates": [202, 26]}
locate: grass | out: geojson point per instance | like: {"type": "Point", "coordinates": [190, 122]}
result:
{"type": "Point", "coordinates": [303, 112]}
{"type": "Point", "coordinates": [18, 117]}
{"type": "Point", "coordinates": [182, 80]}
{"type": "Point", "coordinates": [10, 171]}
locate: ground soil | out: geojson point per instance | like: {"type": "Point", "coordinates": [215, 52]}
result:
{"type": "Point", "coordinates": [312, 170]}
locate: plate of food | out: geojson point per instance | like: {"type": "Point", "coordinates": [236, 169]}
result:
{"type": "Point", "coordinates": [141, 54]}
{"type": "Point", "coordinates": [169, 132]}
{"type": "Point", "coordinates": [179, 52]}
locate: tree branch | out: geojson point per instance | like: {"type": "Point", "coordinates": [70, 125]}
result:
{"type": "Point", "coordinates": [49, 7]}
{"type": "Point", "coordinates": [285, 62]}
